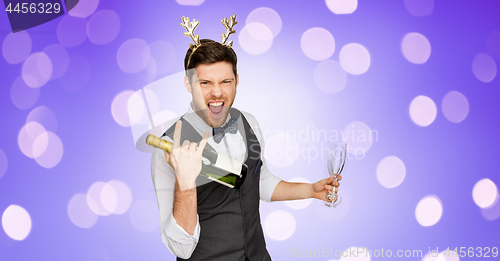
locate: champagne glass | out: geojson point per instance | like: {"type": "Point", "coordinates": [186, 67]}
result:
{"type": "Point", "coordinates": [336, 162]}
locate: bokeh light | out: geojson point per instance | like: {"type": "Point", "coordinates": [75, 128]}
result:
{"type": "Point", "coordinates": [119, 108]}
{"type": "Point", "coordinates": [94, 199]}
{"type": "Point", "coordinates": [59, 58]}
{"type": "Point", "coordinates": [317, 44]}
{"type": "Point", "coordinates": [268, 17]}
{"type": "Point", "coordinates": [484, 68]}
{"type": "Point", "coordinates": [354, 58]}
{"type": "Point", "coordinates": [416, 48]}
{"type": "Point", "coordinates": [279, 225]}
{"type": "Point", "coordinates": [16, 47]}
{"type": "Point", "coordinates": [302, 203]}
{"type": "Point", "coordinates": [78, 74]}
{"type": "Point", "coordinates": [329, 76]}
{"type": "Point", "coordinates": [53, 153]}
{"type": "Point", "coordinates": [281, 150]}
{"type": "Point", "coordinates": [103, 27]}
{"type": "Point", "coordinates": [37, 70]}
{"type": "Point", "coordinates": [71, 31]}
{"type": "Point", "coordinates": [137, 108]}
{"type": "Point", "coordinates": [190, 2]}
{"type": "Point", "coordinates": [44, 116]}
{"type": "Point", "coordinates": [27, 136]}
{"type": "Point", "coordinates": [23, 96]}
{"type": "Point", "coordinates": [455, 106]}
{"type": "Point", "coordinates": [133, 55]}
{"type": "Point", "coordinates": [429, 211]}
{"type": "Point", "coordinates": [144, 215]}
{"type": "Point", "coordinates": [419, 7]}
{"type": "Point", "coordinates": [123, 195]}
{"type": "Point", "coordinates": [485, 193]}
{"type": "Point", "coordinates": [423, 110]}
{"type": "Point", "coordinates": [79, 212]}
{"type": "Point", "coordinates": [358, 137]}
{"type": "Point", "coordinates": [16, 222]}
{"type": "Point", "coordinates": [109, 198]}
{"type": "Point", "coordinates": [342, 6]}
{"type": "Point", "coordinates": [164, 55]}
{"type": "Point", "coordinates": [255, 38]}
{"type": "Point", "coordinates": [84, 8]}
{"type": "Point", "coordinates": [492, 212]}
{"type": "Point", "coordinates": [391, 172]}
{"type": "Point", "coordinates": [4, 163]}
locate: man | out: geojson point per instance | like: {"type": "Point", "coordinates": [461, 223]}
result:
{"type": "Point", "coordinates": [203, 220]}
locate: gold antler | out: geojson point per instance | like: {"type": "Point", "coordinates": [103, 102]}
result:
{"type": "Point", "coordinates": [229, 30]}
{"type": "Point", "coordinates": [190, 31]}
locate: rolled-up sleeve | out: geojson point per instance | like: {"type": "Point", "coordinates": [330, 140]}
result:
{"type": "Point", "coordinates": [177, 240]}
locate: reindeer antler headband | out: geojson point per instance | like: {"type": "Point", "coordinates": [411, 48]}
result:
{"type": "Point", "coordinates": [228, 24]}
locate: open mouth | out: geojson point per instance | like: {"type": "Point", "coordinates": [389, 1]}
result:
{"type": "Point", "coordinates": [216, 107]}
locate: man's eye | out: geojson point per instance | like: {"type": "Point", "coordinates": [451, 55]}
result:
{"type": "Point", "coordinates": [226, 82]}
{"type": "Point", "coordinates": [203, 83]}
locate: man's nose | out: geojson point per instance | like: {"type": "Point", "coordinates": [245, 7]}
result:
{"type": "Point", "coordinates": [216, 90]}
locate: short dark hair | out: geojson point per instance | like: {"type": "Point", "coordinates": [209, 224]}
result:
{"type": "Point", "coordinates": [210, 52]}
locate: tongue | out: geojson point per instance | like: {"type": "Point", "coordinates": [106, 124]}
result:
{"type": "Point", "coordinates": [215, 109]}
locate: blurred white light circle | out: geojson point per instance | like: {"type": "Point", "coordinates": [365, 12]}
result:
{"type": "Point", "coordinates": [53, 153]}
{"type": "Point", "coordinates": [281, 150]}
{"type": "Point", "coordinates": [94, 199]}
{"type": "Point", "coordinates": [16, 47]}
{"type": "Point", "coordinates": [40, 144]}
{"type": "Point", "coordinates": [317, 44]}
{"type": "Point", "coordinates": [492, 212]}
{"type": "Point", "coordinates": [455, 106]}
{"type": "Point", "coordinates": [416, 48]}
{"type": "Point", "coordinates": [16, 222]}
{"type": "Point", "coordinates": [423, 110]}
{"type": "Point", "coordinates": [354, 58]}
{"type": "Point", "coordinates": [119, 108]}
{"type": "Point", "coordinates": [484, 68]}
{"type": "Point", "coordinates": [4, 163]}
{"type": "Point", "coordinates": [133, 55]}
{"type": "Point", "coordinates": [342, 6]}
{"type": "Point", "coordinates": [356, 254]}
{"type": "Point", "coordinates": [27, 136]}
{"type": "Point", "coordinates": [37, 70]}
{"type": "Point", "coordinates": [84, 8]}
{"type": "Point", "coordinates": [485, 193]}
{"type": "Point", "coordinates": [144, 216]}
{"type": "Point", "coordinates": [429, 211]}
{"type": "Point", "coordinates": [71, 31]}
{"type": "Point", "coordinates": [123, 195]}
{"type": "Point", "coordinates": [299, 204]}
{"type": "Point", "coordinates": [59, 57]}
{"type": "Point", "coordinates": [329, 76]}
{"type": "Point", "coordinates": [23, 96]}
{"type": "Point", "coordinates": [358, 137]}
{"type": "Point", "coordinates": [419, 7]}
{"type": "Point", "coordinates": [190, 2]}
{"type": "Point", "coordinates": [164, 55]}
{"type": "Point", "coordinates": [136, 106]}
{"type": "Point", "coordinates": [109, 198]}
{"type": "Point", "coordinates": [79, 212]}
{"type": "Point", "coordinates": [44, 116]}
{"type": "Point", "coordinates": [280, 225]}
{"type": "Point", "coordinates": [255, 38]}
{"type": "Point", "coordinates": [103, 27]}
{"type": "Point", "coordinates": [391, 172]}
{"type": "Point", "coordinates": [268, 17]}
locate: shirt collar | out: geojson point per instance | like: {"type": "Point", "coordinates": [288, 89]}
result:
{"type": "Point", "coordinates": [197, 122]}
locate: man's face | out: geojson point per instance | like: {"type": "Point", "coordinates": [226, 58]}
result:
{"type": "Point", "coordinates": [213, 89]}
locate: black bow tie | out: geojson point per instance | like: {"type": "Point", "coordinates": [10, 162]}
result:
{"type": "Point", "coordinates": [230, 127]}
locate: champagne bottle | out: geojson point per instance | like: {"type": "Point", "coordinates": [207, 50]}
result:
{"type": "Point", "coordinates": [215, 167]}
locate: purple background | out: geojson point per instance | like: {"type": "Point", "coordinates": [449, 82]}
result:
{"type": "Point", "coordinates": [445, 159]}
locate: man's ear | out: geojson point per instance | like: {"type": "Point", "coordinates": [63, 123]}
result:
{"type": "Point", "coordinates": [237, 79]}
{"type": "Point", "coordinates": [187, 84]}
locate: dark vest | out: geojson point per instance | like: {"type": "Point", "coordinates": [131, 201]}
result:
{"type": "Point", "coordinates": [229, 218]}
